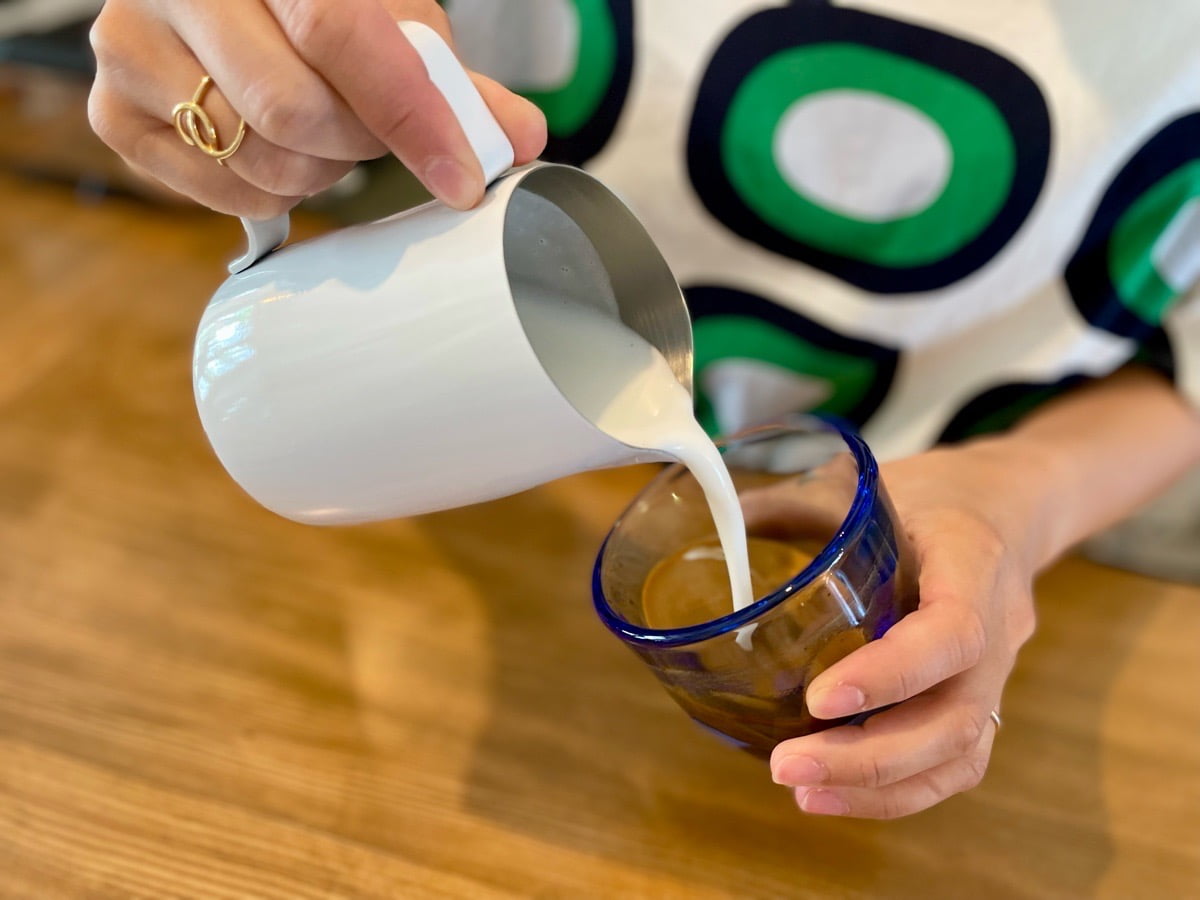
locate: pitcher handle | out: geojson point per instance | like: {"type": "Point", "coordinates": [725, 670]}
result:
{"type": "Point", "coordinates": [486, 137]}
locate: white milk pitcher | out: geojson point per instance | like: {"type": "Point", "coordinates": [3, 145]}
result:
{"type": "Point", "coordinates": [383, 370]}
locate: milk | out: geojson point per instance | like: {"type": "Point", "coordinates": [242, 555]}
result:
{"type": "Point", "coordinates": [623, 384]}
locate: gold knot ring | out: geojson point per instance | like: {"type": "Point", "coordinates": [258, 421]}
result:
{"type": "Point", "coordinates": [994, 715]}
{"type": "Point", "coordinates": [196, 128]}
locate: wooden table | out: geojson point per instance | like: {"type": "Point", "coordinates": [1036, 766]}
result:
{"type": "Point", "coordinates": [199, 699]}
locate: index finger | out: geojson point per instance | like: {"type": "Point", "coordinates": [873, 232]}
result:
{"type": "Point", "coordinates": [946, 635]}
{"type": "Point", "coordinates": [358, 49]}
{"type": "Point", "coordinates": [923, 649]}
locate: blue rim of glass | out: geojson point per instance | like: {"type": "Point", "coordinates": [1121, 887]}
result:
{"type": "Point", "coordinates": [856, 520]}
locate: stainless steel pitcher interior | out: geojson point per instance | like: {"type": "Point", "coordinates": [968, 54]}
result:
{"type": "Point", "coordinates": [566, 233]}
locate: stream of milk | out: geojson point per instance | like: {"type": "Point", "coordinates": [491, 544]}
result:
{"type": "Point", "coordinates": [625, 386]}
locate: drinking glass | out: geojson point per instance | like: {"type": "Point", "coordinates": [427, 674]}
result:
{"type": "Point", "coordinates": [806, 481]}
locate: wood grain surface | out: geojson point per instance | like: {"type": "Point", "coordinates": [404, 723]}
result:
{"type": "Point", "coordinates": [199, 699]}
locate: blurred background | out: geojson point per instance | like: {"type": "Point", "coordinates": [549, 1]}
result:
{"type": "Point", "coordinates": [46, 69]}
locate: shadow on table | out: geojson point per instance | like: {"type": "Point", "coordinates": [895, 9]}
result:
{"type": "Point", "coordinates": [583, 749]}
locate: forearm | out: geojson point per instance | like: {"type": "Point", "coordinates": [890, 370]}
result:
{"type": "Point", "coordinates": [1092, 457]}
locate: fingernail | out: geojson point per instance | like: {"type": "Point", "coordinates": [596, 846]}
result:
{"type": "Point", "coordinates": [838, 701]}
{"type": "Point", "coordinates": [800, 770]}
{"type": "Point", "coordinates": [452, 182]}
{"type": "Point", "coordinates": [823, 803]}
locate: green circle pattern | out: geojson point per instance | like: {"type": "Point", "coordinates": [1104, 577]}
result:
{"type": "Point", "coordinates": [570, 107]}
{"type": "Point", "coordinates": [742, 337]}
{"type": "Point", "coordinates": [1140, 286]}
{"type": "Point", "coordinates": [984, 153]}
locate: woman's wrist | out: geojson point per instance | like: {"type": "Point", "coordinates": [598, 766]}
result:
{"type": "Point", "coordinates": [1085, 461]}
{"type": "Point", "coordinates": [1012, 488]}
{"type": "Point", "coordinates": [1026, 492]}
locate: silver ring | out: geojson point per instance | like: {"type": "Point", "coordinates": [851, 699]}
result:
{"type": "Point", "coordinates": [994, 715]}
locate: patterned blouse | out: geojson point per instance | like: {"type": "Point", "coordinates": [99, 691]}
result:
{"type": "Point", "coordinates": [924, 216]}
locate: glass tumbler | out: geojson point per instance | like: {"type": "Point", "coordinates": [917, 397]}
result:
{"type": "Point", "coordinates": [804, 481]}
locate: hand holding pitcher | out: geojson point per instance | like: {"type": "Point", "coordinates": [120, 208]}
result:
{"type": "Point", "coordinates": [318, 84]}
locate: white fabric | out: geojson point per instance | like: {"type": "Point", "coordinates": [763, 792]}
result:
{"type": "Point", "coordinates": [835, 147]}
{"type": "Point", "coordinates": [1112, 74]}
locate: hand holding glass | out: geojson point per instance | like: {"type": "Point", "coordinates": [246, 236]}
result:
{"type": "Point", "coordinates": [805, 484]}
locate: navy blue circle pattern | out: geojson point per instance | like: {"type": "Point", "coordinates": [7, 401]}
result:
{"type": "Point", "coordinates": [766, 33]}
{"type": "Point", "coordinates": [585, 143]}
{"type": "Point", "coordinates": [1088, 273]}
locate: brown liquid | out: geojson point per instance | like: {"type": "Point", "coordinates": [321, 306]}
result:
{"type": "Point", "coordinates": [794, 643]}
{"type": "Point", "coordinates": [692, 585]}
